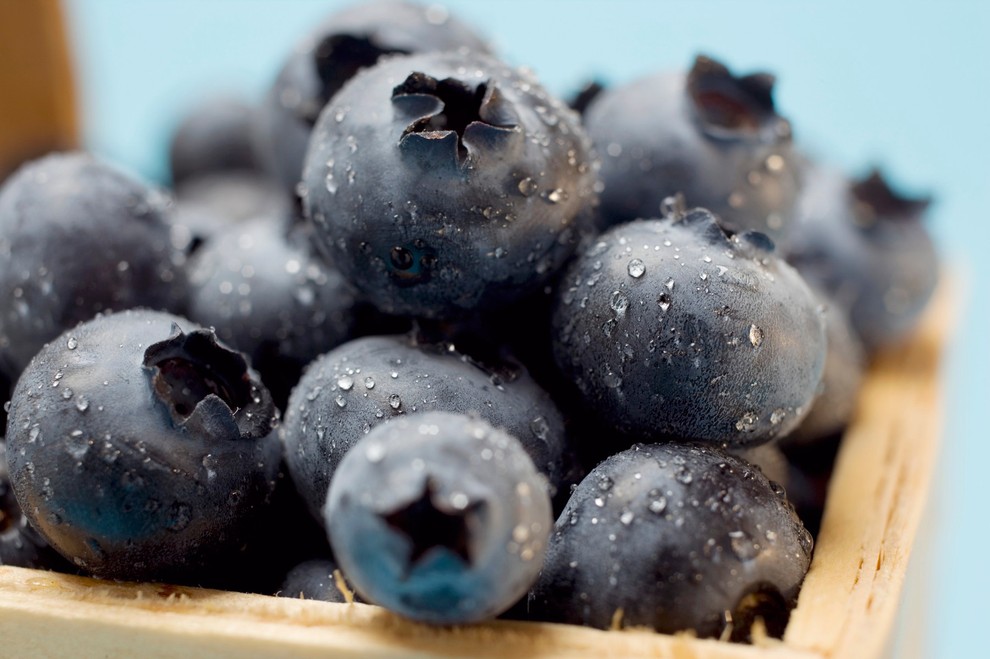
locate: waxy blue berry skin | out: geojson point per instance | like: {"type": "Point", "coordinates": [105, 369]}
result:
{"type": "Point", "coordinates": [343, 44]}
{"type": "Point", "coordinates": [214, 136]}
{"type": "Point", "coordinates": [269, 296]}
{"type": "Point", "coordinates": [20, 544]}
{"type": "Point", "coordinates": [676, 536]}
{"type": "Point", "coordinates": [712, 136]}
{"type": "Point", "coordinates": [670, 327]}
{"type": "Point", "coordinates": [368, 381]}
{"type": "Point", "coordinates": [864, 244]}
{"type": "Point", "coordinates": [447, 182]}
{"type": "Point", "coordinates": [78, 237]}
{"type": "Point", "coordinates": [439, 517]}
{"type": "Point", "coordinates": [141, 448]}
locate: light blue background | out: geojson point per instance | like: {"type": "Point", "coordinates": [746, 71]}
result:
{"type": "Point", "coordinates": [900, 83]}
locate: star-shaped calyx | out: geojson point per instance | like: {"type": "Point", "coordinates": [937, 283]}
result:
{"type": "Point", "coordinates": [433, 521]}
{"type": "Point", "coordinates": [874, 198]}
{"type": "Point", "coordinates": [450, 120]}
{"type": "Point", "coordinates": [730, 105]}
{"type": "Point", "coordinates": [207, 387]}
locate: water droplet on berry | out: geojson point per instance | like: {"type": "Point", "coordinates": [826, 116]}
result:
{"type": "Point", "coordinates": [747, 423]}
{"type": "Point", "coordinates": [636, 268]}
{"type": "Point", "coordinates": [755, 336]}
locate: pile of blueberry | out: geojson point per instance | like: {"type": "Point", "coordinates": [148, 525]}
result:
{"type": "Point", "coordinates": [393, 321]}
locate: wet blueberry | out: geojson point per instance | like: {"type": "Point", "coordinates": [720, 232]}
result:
{"type": "Point", "coordinates": [77, 237]}
{"type": "Point", "coordinates": [672, 327]}
{"type": "Point", "coordinates": [711, 135]}
{"type": "Point", "coordinates": [20, 544]}
{"type": "Point", "coordinates": [316, 579]}
{"type": "Point", "coordinates": [439, 517]}
{"type": "Point", "coordinates": [345, 393]}
{"type": "Point", "coordinates": [346, 42]}
{"type": "Point", "coordinates": [140, 447]}
{"type": "Point", "coordinates": [214, 136]}
{"type": "Point", "coordinates": [865, 246]}
{"type": "Point", "coordinates": [674, 537]}
{"type": "Point", "coordinates": [490, 184]}
{"type": "Point", "coordinates": [266, 295]}
{"type": "Point", "coordinates": [217, 203]}
{"type": "Point", "coordinates": [845, 363]}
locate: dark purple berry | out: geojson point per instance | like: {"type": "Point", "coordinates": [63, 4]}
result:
{"type": "Point", "coordinates": [674, 537]}
{"type": "Point", "coordinates": [140, 447]}
{"type": "Point", "coordinates": [439, 517]}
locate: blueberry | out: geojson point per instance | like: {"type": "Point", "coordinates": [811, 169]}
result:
{"type": "Point", "coordinates": [674, 537]}
{"type": "Point", "coordinates": [672, 327]}
{"type": "Point", "coordinates": [347, 392]}
{"type": "Point", "coordinates": [214, 204]}
{"type": "Point", "coordinates": [266, 295]}
{"type": "Point", "coordinates": [20, 544]}
{"type": "Point", "coordinates": [710, 135]}
{"type": "Point", "coordinates": [865, 246]}
{"type": "Point", "coordinates": [490, 183]}
{"type": "Point", "coordinates": [77, 237]}
{"type": "Point", "coordinates": [343, 44]}
{"type": "Point", "coordinates": [845, 363]}
{"type": "Point", "coordinates": [214, 136]}
{"type": "Point", "coordinates": [439, 517]}
{"type": "Point", "coordinates": [315, 580]}
{"type": "Point", "coordinates": [140, 447]}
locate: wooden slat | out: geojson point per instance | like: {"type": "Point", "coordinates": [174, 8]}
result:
{"type": "Point", "coordinates": [37, 94]}
{"type": "Point", "coordinates": [877, 497]}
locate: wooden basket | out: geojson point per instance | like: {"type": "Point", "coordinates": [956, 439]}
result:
{"type": "Point", "coordinates": [847, 606]}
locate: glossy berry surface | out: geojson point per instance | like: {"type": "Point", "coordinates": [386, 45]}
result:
{"type": "Point", "coordinates": [365, 382]}
{"type": "Point", "coordinates": [313, 580]}
{"type": "Point", "coordinates": [268, 296]}
{"type": "Point", "coordinates": [343, 44]}
{"type": "Point", "coordinates": [490, 183]}
{"type": "Point", "coordinates": [712, 136]}
{"type": "Point", "coordinates": [838, 392]}
{"type": "Point", "coordinates": [20, 544]}
{"type": "Point", "coordinates": [77, 237]}
{"type": "Point", "coordinates": [140, 447]}
{"type": "Point", "coordinates": [439, 517]}
{"type": "Point", "coordinates": [671, 327]}
{"type": "Point", "coordinates": [864, 244]}
{"type": "Point", "coordinates": [674, 537]}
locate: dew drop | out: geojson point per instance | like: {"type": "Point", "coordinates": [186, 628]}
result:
{"type": "Point", "coordinates": [664, 302]}
{"type": "Point", "coordinates": [658, 505]}
{"type": "Point", "coordinates": [755, 336]}
{"type": "Point", "coordinates": [777, 416]}
{"type": "Point", "coordinates": [345, 382]}
{"type": "Point", "coordinates": [626, 517]}
{"type": "Point", "coordinates": [369, 382]}
{"type": "Point", "coordinates": [341, 401]}
{"type": "Point", "coordinates": [394, 401]}
{"type": "Point", "coordinates": [743, 546]}
{"type": "Point", "coordinates": [72, 343]}
{"type": "Point", "coordinates": [527, 187]}
{"type": "Point", "coordinates": [636, 268]}
{"type": "Point", "coordinates": [540, 428]}
{"type": "Point", "coordinates": [747, 423]}
{"type": "Point", "coordinates": [619, 303]}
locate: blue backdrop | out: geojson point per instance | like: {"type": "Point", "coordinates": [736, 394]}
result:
{"type": "Point", "coordinates": [900, 83]}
